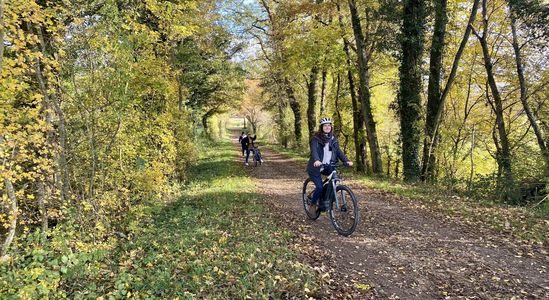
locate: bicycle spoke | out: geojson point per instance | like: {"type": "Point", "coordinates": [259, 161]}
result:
{"type": "Point", "coordinates": [344, 214]}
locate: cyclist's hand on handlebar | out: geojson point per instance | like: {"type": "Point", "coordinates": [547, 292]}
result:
{"type": "Point", "coordinates": [317, 163]}
{"type": "Point", "coordinates": [349, 163]}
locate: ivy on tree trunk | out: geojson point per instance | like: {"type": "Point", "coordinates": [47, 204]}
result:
{"type": "Point", "coordinates": [434, 91]}
{"type": "Point", "coordinates": [410, 86]}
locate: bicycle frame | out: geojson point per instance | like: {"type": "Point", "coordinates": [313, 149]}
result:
{"type": "Point", "coordinates": [333, 179]}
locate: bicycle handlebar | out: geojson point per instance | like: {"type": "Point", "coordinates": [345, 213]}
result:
{"type": "Point", "coordinates": [334, 165]}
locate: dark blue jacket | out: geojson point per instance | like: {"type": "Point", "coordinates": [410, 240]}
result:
{"type": "Point", "coordinates": [248, 141]}
{"type": "Point", "coordinates": [245, 142]}
{"type": "Point", "coordinates": [317, 153]}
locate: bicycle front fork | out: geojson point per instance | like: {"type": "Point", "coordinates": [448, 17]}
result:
{"type": "Point", "coordinates": [340, 204]}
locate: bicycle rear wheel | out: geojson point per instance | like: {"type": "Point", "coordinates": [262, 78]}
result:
{"type": "Point", "coordinates": [307, 195]}
{"type": "Point", "coordinates": [343, 211]}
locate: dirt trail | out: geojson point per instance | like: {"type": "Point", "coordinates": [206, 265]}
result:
{"type": "Point", "coordinates": [398, 251]}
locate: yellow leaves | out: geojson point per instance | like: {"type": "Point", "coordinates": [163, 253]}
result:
{"type": "Point", "coordinates": [223, 240]}
{"type": "Point", "coordinates": [218, 271]}
{"type": "Point", "coordinates": [36, 272]}
{"type": "Point", "coordinates": [100, 228]}
{"type": "Point", "coordinates": [179, 32]}
{"type": "Point", "coordinates": [362, 286]}
{"type": "Point", "coordinates": [86, 206]}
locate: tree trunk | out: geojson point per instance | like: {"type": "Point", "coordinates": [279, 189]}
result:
{"type": "Point", "coordinates": [11, 210]}
{"type": "Point", "coordinates": [433, 95]}
{"type": "Point", "coordinates": [93, 153]}
{"type": "Point", "coordinates": [12, 213]}
{"type": "Point", "coordinates": [296, 109]}
{"type": "Point", "coordinates": [364, 90]}
{"type": "Point", "coordinates": [311, 103]}
{"type": "Point", "coordinates": [205, 124]}
{"type": "Point", "coordinates": [62, 159]}
{"type": "Point", "coordinates": [323, 92]}
{"type": "Point", "coordinates": [389, 159]}
{"type": "Point", "coordinates": [282, 132]}
{"type": "Point", "coordinates": [358, 129]}
{"type": "Point", "coordinates": [338, 118]}
{"type": "Point", "coordinates": [253, 124]}
{"type": "Point", "coordinates": [431, 138]}
{"type": "Point", "coordinates": [53, 101]}
{"type": "Point", "coordinates": [47, 104]}
{"type": "Point", "coordinates": [205, 119]}
{"type": "Point", "coordinates": [397, 165]}
{"type": "Point", "coordinates": [472, 161]}
{"type": "Point", "coordinates": [504, 159]}
{"type": "Point", "coordinates": [41, 193]}
{"type": "Point", "coordinates": [358, 122]}
{"type": "Point", "coordinates": [540, 136]}
{"type": "Point", "coordinates": [410, 87]}
{"type": "Point", "coordinates": [359, 132]}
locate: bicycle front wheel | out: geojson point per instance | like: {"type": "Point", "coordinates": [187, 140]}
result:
{"type": "Point", "coordinates": [307, 195]}
{"type": "Point", "coordinates": [343, 211]}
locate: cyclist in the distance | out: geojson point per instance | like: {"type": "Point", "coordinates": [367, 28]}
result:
{"type": "Point", "coordinates": [324, 151]}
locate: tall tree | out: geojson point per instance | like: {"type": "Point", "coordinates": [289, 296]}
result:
{"type": "Point", "coordinates": [434, 90]}
{"type": "Point", "coordinates": [296, 109]}
{"type": "Point", "coordinates": [436, 106]}
{"type": "Point", "coordinates": [276, 38]}
{"type": "Point", "coordinates": [312, 83]}
{"type": "Point", "coordinates": [504, 149]}
{"type": "Point", "coordinates": [410, 86]}
{"type": "Point", "coordinates": [311, 100]}
{"type": "Point", "coordinates": [538, 131]}
{"type": "Point", "coordinates": [358, 121]}
{"type": "Point", "coordinates": [364, 88]}
{"type": "Point", "coordinates": [323, 91]}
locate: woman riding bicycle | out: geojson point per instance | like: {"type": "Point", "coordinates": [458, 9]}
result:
{"type": "Point", "coordinates": [324, 151]}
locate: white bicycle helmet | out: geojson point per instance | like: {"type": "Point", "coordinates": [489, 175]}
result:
{"type": "Point", "coordinates": [325, 121]}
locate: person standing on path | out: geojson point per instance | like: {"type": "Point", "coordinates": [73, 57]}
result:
{"type": "Point", "coordinates": [246, 142]}
{"type": "Point", "coordinates": [324, 151]}
{"type": "Point", "coordinates": [240, 138]}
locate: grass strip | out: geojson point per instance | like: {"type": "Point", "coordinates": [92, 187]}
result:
{"type": "Point", "coordinates": [215, 242]}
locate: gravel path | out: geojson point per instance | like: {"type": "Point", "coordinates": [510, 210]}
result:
{"type": "Point", "coordinates": [399, 251]}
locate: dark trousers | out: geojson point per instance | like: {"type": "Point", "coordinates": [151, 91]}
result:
{"type": "Point", "coordinates": [247, 153]}
{"type": "Point", "coordinates": [317, 180]}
